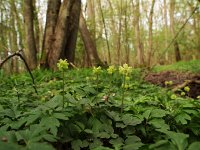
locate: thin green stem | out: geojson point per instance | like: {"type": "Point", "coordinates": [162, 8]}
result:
{"type": "Point", "coordinates": [63, 86]}
{"type": "Point", "coordinates": [123, 85]}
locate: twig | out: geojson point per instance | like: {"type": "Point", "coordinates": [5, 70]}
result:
{"type": "Point", "coordinates": [18, 53]}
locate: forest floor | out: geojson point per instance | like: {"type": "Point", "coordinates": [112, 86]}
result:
{"type": "Point", "coordinates": [179, 81]}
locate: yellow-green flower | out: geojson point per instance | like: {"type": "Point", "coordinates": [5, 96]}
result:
{"type": "Point", "coordinates": [173, 96]}
{"type": "Point", "coordinates": [127, 78]}
{"type": "Point", "coordinates": [125, 69]}
{"type": "Point", "coordinates": [62, 65]}
{"type": "Point", "coordinates": [96, 70]}
{"type": "Point", "coordinates": [168, 83]}
{"type": "Point", "coordinates": [198, 97]}
{"type": "Point", "coordinates": [187, 89]}
{"type": "Point", "coordinates": [182, 93]}
{"type": "Point", "coordinates": [111, 69]}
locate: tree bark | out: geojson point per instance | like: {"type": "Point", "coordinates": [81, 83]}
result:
{"type": "Point", "coordinates": [62, 33]}
{"type": "Point", "coordinates": [176, 46]}
{"type": "Point", "coordinates": [139, 47]}
{"type": "Point", "coordinates": [72, 32]}
{"type": "Point", "coordinates": [88, 42]}
{"type": "Point", "coordinates": [51, 20]}
{"type": "Point", "coordinates": [150, 34]}
{"type": "Point", "coordinates": [30, 51]}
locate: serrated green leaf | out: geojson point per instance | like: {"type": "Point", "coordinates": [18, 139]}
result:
{"type": "Point", "coordinates": [182, 118]}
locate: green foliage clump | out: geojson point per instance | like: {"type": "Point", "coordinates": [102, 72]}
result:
{"type": "Point", "coordinates": [90, 117]}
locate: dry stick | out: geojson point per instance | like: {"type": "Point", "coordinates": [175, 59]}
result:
{"type": "Point", "coordinates": [177, 34]}
{"type": "Point", "coordinates": [17, 53]}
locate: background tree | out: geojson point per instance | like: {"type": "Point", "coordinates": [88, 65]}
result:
{"type": "Point", "coordinates": [31, 51]}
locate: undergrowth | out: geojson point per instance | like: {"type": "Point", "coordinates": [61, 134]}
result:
{"type": "Point", "coordinates": [92, 118]}
{"type": "Point", "coordinates": [191, 66]}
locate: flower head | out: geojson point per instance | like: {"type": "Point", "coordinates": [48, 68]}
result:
{"type": "Point", "coordinates": [96, 70]}
{"type": "Point", "coordinates": [62, 65]}
{"type": "Point", "coordinates": [187, 89]}
{"type": "Point", "coordinates": [173, 96]}
{"type": "Point", "coordinates": [125, 69]}
{"type": "Point", "coordinates": [111, 69]}
{"type": "Point", "coordinates": [182, 93]}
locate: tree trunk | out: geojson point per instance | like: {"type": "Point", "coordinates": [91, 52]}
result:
{"type": "Point", "coordinates": [166, 29]}
{"type": "Point", "coordinates": [30, 51]}
{"type": "Point", "coordinates": [88, 42]}
{"type": "Point", "coordinates": [51, 20]}
{"type": "Point", "coordinates": [62, 33]}
{"type": "Point", "coordinates": [106, 33]}
{"type": "Point", "coordinates": [72, 32]}
{"type": "Point", "coordinates": [176, 46]}
{"type": "Point", "coordinates": [139, 47]}
{"type": "Point", "coordinates": [150, 34]}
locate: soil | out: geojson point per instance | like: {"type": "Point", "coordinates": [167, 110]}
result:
{"type": "Point", "coordinates": [179, 81]}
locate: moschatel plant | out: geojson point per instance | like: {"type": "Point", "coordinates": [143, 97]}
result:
{"type": "Point", "coordinates": [125, 70]}
{"type": "Point", "coordinates": [63, 66]}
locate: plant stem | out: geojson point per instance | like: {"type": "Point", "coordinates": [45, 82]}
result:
{"type": "Point", "coordinates": [123, 83]}
{"type": "Point", "coordinates": [63, 75]}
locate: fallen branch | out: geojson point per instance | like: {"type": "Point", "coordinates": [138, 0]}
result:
{"type": "Point", "coordinates": [180, 86]}
{"type": "Point", "coordinates": [18, 53]}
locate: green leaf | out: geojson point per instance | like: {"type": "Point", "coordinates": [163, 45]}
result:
{"type": "Point", "coordinates": [147, 114]}
{"type": "Point", "coordinates": [158, 113]}
{"type": "Point", "coordinates": [76, 144]}
{"type": "Point", "coordinates": [88, 131]}
{"type": "Point", "coordinates": [60, 116]}
{"type": "Point", "coordinates": [178, 139]}
{"type": "Point", "coordinates": [158, 144]}
{"type": "Point", "coordinates": [182, 118]}
{"type": "Point", "coordinates": [9, 146]}
{"type": "Point", "coordinates": [132, 143]}
{"type": "Point", "coordinates": [130, 119]}
{"type": "Point", "coordinates": [117, 143]}
{"type": "Point", "coordinates": [50, 123]}
{"type": "Point", "coordinates": [194, 146]}
{"type": "Point", "coordinates": [159, 124]}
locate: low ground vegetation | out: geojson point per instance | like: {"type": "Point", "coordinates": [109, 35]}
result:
{"type": "Point", "coordinates": [87, 113]}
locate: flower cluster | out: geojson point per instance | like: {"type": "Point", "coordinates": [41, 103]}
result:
{"type": "Point", "coordinates": [168, 83]}
{"type": "Point", "coordinates": [187, 88]}
{"type": "Point", "coordinates": [96, 70]}
{"type": "Point", "coordinates": [62, 65]}
{"type": "Point", "coordinates": [125, 69]}
{"type": "Point", "coordinates": [111, 69]}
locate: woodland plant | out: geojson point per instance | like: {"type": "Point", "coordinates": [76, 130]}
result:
{"type": "Point", "coordinates": [125, 71]}
{"type": "Point", "coordinates": [96, 71]}
{"type": "Point", "coordinates": [63, 66]}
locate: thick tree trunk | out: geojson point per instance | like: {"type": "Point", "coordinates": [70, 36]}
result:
{"type": "Point", "coordinates": [88, 42]}
{"type": "Point", "coordinates": [51, 20]}
{"type": "Point", "coordinates": [30, 51]}
{"type": "Point", "coordinates": [72, 32]}
{"type": "Point", "coordinates": [63, 31]}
